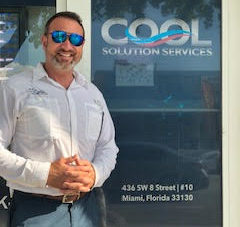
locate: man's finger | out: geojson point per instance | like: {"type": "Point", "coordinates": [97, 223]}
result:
{"type": "Point", "coordinates": [76, 174]}
{"type": "Point", "coordinates": [69, 160]}
{"type": "Point", "coordinates": [76, 187]}
{"type": "Point", "coordinates": [80, 162]}
{"type": "Point", "coordinates": [79, 168]}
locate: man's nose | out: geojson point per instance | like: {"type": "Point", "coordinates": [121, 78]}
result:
{"type": "Point", "coordinates": [67, 45]}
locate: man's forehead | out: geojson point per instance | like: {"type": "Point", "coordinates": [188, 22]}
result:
{"type": "Point", "coordinates": [66, 24]}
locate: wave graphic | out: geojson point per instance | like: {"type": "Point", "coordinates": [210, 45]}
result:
{"type": "Point", "coordinates": [157, 39]}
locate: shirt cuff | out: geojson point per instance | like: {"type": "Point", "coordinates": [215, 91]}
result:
{"type": "Point", "coordinates": [40, 174]}
{"type": "Point", "coordinates": [96, 183]}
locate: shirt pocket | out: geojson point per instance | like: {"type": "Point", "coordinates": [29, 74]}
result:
{"type": "Point", "coordinates": [36, 117]}
{"type": "Point", "coordinates": [94, 121]}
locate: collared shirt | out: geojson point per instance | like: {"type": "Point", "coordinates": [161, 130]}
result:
{"type": "Point", "coordinates": [41, 121]}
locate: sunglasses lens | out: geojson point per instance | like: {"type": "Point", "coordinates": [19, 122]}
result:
{"type": "Point", "coordinates": [59, 36]}
{"type": "Point", "coordinates": [76, 40]}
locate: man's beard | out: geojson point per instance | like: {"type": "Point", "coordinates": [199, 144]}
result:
{"type": "Point", "coordinates": [66, 66]}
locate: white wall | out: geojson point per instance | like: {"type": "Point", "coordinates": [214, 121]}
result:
{"type": "Point", "coordinates": [231, 112]}
{"type": "Point", "coordinates": [61, 5]}
{"type": "Point", "coordinates": [83, 8]}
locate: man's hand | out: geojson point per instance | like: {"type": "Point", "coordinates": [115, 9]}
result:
{"type": "Point", "coordinates": [71, 175]}
{"type": "Point", "coordinates": [82, 177]}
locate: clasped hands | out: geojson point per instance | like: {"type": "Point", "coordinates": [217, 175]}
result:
{"type": "Point", "coordinates": [71, 175]}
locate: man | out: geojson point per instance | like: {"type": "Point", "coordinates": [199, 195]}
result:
{"type": "Point", "coordinates": [60, 134]}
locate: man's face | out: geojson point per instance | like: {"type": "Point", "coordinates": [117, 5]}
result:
{"type": "Point", "coordinates": [64, 55]}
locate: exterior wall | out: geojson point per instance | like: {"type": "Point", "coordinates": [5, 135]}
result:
{"type": "Point", "coordinates": [231, 113]}
{"type": "Point", "coordinates": [84, 9]}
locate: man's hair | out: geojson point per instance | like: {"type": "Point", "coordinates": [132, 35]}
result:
{"type": "Point", "coordinates": [65, 14]}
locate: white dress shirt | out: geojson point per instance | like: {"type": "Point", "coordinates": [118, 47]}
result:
{"type": "Point", "coordinates": [41, 121]}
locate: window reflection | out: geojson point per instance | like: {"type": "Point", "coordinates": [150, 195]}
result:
{"type": "Point", "coordinates": [20, 32]}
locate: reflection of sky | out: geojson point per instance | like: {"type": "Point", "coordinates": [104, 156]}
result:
{"type": "Point", "coordinates": [28, 54]}
{"type": "Point", "coordinates": [5, 36]}
{"type": "Point", "coordinates": [211, 63]}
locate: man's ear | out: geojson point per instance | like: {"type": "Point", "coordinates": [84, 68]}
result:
{"type": "Point", "coordinates": [44, 41]}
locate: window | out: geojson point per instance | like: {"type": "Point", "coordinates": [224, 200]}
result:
{"type": "Point", "coordinates": [21, 26]}
{"type": "Point", "coordinates": [159, 68]}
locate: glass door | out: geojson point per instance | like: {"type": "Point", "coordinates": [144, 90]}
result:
{"type": "Point", "coordinates": [158, 65]}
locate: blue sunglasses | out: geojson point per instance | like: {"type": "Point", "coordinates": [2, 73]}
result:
{"type": "Point", "coordinates": [61, 37]}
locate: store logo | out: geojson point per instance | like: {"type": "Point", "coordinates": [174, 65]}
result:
{"type": "Point", "coordinates": [164, 34]}
{"type": "Point", "coordinates": [158, 39]}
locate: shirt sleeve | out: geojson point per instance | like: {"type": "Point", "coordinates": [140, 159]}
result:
{"type": "Point", "coordinates": [15, 168]}
{"type": "Point", "coordinates": [106, 149]}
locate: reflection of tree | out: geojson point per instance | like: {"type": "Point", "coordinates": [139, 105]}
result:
{"type": "Point", "coordinates": [36, 27]}
{"type": "Point", "coordinates": [184, 9]}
